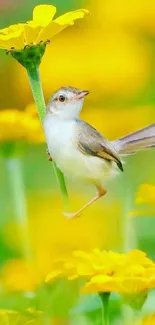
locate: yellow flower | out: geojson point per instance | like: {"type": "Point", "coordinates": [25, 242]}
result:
{"type": "Point", "coordinates": [130, 277]}
{"type": "Point", "coordinates": [20, 125]}
{"type": "Point", "coordinates": [147, 320]}
{"type": "Point", "coordinates": [19, 275]}
{"type": "Point", "coordinates": [146, 194]}
{"type": "Point", "coordinates": [8, 316]}
{"type": "Point", "coordinates": [127, 273]}
{"type": "Point", "coordinates": [85, 265]}
{"type": "Point", "coordinates": [95, 263]}
{"type": "Point", "coordinates": [125, 13]}
{"type": "Point", "coordinates": [116, 69]}
{"type": "Point", "coordinates": [40, 29]}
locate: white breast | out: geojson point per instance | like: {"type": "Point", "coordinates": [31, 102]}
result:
{"type": "Point", "coordinates": [62, 144]}
{"type": "Point", "coordinates": [59, 134]}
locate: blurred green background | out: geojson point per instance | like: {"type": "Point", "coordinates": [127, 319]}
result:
{"type": "Point", "coordinates": [111, 53]}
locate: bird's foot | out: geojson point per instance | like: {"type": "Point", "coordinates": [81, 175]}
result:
{"type": "Point", "coordinates": [71, 215]}
{"type": "Point", "coordinates": [49, 156]}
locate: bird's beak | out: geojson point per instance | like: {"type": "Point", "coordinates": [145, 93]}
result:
{"type": "Point", "coordinates": [81, 94]}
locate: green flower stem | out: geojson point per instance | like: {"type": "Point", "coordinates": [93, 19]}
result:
{"type": "Point", "coordinates": [15, 174]}
{"type": "Point", "coordinates": [104, 296]}
{"type": "Point", "coordinates": [36, 87]}
{"type": "Point", "coordinates": [34, 77]}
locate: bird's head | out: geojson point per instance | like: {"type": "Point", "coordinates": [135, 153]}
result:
{"type": "Point", "coordinates": [67, 102]}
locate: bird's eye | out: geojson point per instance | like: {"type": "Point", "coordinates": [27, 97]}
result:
{"type": "Point", "coordinates": [62, 98]}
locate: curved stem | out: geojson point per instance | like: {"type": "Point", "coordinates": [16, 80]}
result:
{"type": "Point", "coordinates": [36, 87]}
{"type": "Point", "coordinates": [15, 173]}
{"type": "Point", "coordinates": [104, 296]}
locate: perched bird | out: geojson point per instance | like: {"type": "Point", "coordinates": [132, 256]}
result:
{"type": "Point", "coordinates": [79, 150]}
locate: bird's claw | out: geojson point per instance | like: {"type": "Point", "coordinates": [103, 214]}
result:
{"type": "Point", "coordinates": [49, 156]}
{"type": "Point", "coordinates": [71, 215]}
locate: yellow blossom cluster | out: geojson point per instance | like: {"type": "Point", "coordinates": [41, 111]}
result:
{"type": "Point", "coordinates": [145, 196]}
{"type": "Point", "coordinates": [20, 125]}
{"type": "Point", "coordinates": [38, 30]}
{"type": "Point", "coordinates": [105, 271]}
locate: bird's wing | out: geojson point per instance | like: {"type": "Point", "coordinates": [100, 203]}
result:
{"type": "Point", "coordinates": [91, 142]}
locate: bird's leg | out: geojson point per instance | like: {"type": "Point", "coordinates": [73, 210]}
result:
{"type": "Point", "coordinates": [100, 192]}
{"type": "Point", "coordinates": [49, 156]}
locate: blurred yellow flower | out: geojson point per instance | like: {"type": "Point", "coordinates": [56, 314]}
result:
{"type": "Point", "coordinates": [117, 65]}
{"type": "Point", "coordinates": [118, 13]}
{"type": "Point", "coordinates": [15, 124]}
{"type": "Point", "coordinates": [19, 275]}
{"type": "Point", "coordinates": [39, 30]}
{"type": "Point", "coordinates": [147, 320]}
{"type": "Point", "coordinates": [83, 264]}
{"type": "Point", "coordinates": [20, 125]}
{"type": "Point", "coordinates": [146, 194]}
{"type": "Point", "coordinates": [12, 317]}
{"type": "Point", "coordinates": [52, 237]}
{"type": "Point", "coordinates": [8, 316]}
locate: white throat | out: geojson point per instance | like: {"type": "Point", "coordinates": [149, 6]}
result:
{"type": "Point", "coordinates": [68, 110]}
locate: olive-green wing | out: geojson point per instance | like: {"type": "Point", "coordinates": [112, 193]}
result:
{"type": "Point", "coordinates": [91, 142]}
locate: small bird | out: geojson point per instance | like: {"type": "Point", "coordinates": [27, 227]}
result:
{"type": "Point", "coordinates": [79, 150]}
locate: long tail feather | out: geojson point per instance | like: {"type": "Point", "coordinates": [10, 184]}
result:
{"type": "Point", "coordinates": [139, 140]}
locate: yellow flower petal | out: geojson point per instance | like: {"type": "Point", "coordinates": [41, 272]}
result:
{"type": "Point", "coordinates": [12, 37]}
{"type": "Point", "coordinates": [43, 14]}
{"type": "Point", "coordinates": [69, 17]}
{"type": "Point", "coordinates": [54, 27]}
{"type": "Point", "coordinates": [12, 29]}
{"type": "Point", "coordinates": [100, 283]}
{"type": "Point", "coordinates": [49, 31]}
{"type": "Point", "coordinates": [52, 276]}
{"type": "Point", "coordinates": [122, 285]}
{"type": "Point", "coordinates": [32, 31]}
